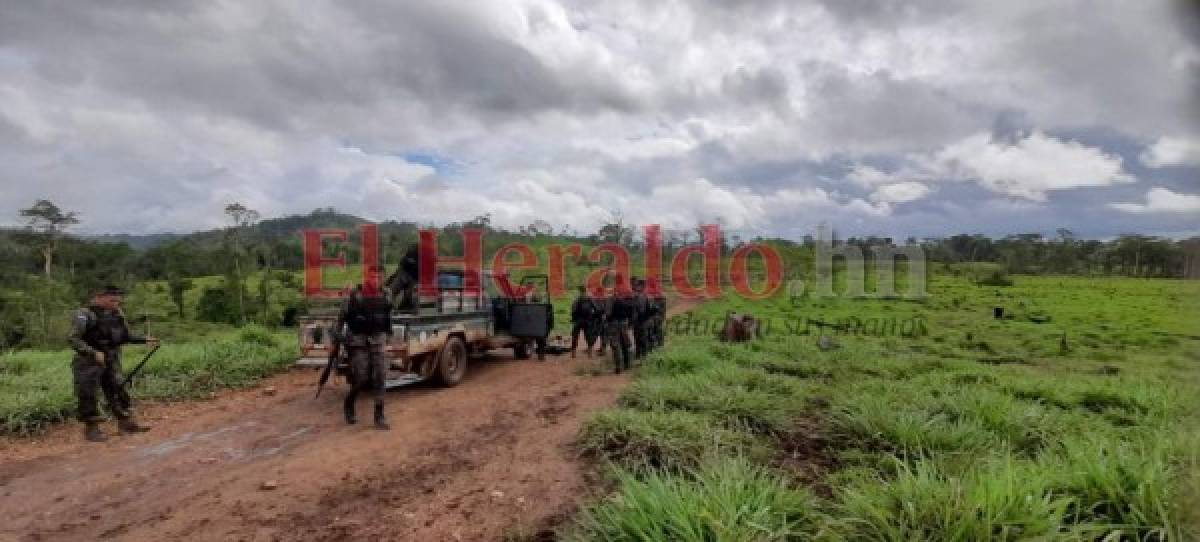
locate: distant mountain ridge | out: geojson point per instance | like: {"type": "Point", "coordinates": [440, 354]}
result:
{"type": "Point", "coordinates": [270, 229]}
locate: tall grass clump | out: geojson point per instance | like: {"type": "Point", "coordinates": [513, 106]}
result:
{"type": "Point", "coordinates": [919, 501]}
{"type": "Point", "coordinates": [729, 500]}
{"type": "Point", "coordinates": [639, 439]}
{"type": "Point", "coordinates": [739, 398]}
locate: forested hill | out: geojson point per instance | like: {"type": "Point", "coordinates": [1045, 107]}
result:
{"type": "Point", "coordinates": [268, 230]}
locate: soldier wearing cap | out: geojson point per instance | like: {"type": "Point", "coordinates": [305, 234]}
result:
{"type": "Point", "coordinates": [97, 333]}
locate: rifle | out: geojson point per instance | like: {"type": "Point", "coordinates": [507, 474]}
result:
{"type": "Point", "coordinates": [144, 320]}
{"type": "Point", "coordinates": [335, 349]}
{"type": "Point", "coordinates": [138, 367]}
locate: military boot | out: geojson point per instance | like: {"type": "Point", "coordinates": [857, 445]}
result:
{"type": "Point", "coordinates": [348, 410]}
{"type": "Point", "coordinates": [380, 422]}
{"type": "Point", "coordinates": [92, 432]}
{"type": "Point", "coordinates": [129, 426]}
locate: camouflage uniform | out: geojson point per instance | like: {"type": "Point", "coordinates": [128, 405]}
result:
{"type": "Point", "coordinates": [642, 312]}
{"type": "Point", "coordinates": [363, 327]}
{"type": "Point", "coordinates": [583, 315]}
{"type": "Point", "coordinates": [598, 325]}
{"type": "Point", "coordinates": [95, 329]}
{"type": "Point", "coordinates": [618, 311]}
{"type": "Point", "coordinates": [658, 337]}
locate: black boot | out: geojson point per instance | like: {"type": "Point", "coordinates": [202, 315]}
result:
{"type": "Point", "coordinates": [128, 426]}
{"type": "Point", "coordinates": [348, 410]}
{"type": "Point", "coordinates": [380, 422]}
{"type": "Point", "coordinates": [92, 432]}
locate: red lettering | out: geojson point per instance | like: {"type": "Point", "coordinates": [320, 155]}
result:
{"type": "Point", "coordinates": [653, 263]}
{"type": "Point", "coordinates": [558, 280]}
{"type": "Point", "coordinates": [710, 254]}
{"type": "Point", "coordinates": [315, 260]}
{"type": "Point", "coordinates": [500, 267]}
{"type": "Point", "coordinates": [370, 259]}
{"type": "Point", "coordinates": [429, 261]}
{"type": "Point", "coordinates": [620, 265]}
{"type": "Point", "coordinates": [772, 263]}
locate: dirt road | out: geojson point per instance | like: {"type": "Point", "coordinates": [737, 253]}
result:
{"type": "Point", "coordinates": [487, 458]}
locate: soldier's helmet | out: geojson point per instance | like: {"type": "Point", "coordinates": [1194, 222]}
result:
{"type": "Point", "coordinates": [110, 290]}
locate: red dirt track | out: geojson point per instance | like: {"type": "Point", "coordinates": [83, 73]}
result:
{"type": "Point", "coordinates": [487, 458]}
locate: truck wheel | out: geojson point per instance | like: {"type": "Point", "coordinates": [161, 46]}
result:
{"type": "Point", "coordinates": [521, 350]}
{"type": "Point", "coordinates": [452, 365]}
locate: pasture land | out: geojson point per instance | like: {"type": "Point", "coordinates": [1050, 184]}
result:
{"type": "Point", "coordinates": [1073, 417]}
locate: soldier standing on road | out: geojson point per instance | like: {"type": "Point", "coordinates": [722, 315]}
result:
{"type": "Point", "coordinates": [618, 311]}
{"type": "Point", "coordinates": [658, 337]}
{"type": "Point", "coordinates": [97, 333]}
{"type": "Point", "coordinates": [540, 342]}
{"type": "Point", "coordinates": [642, 313]}
{"type": "Point", "coordinates": [363, 327]}
{"type": "Point", "coordinates": [599, 326]}
{"type": "Point", "coordinates": [583, 316]}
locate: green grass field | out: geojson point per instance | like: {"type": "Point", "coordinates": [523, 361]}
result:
{"type": "Point", "coordinates": [35, 386]}
{"type": "Point", "coordinates": [1073, 418]}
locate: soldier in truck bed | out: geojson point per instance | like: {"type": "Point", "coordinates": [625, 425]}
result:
{"type": "Point", "coordinates": [363, 327]}
{"type": "Point", "coordinates": [402, 283]}
{"type": "Point", "coordinates": [97, 333]}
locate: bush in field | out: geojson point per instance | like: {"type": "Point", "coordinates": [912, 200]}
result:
{"type": "Point", "coordinates": [256, 334]}
{"type": "Point", "coordinates": [994, 277]}
{"type": "Point", "coordinates": [215, 305]}
{"type": "Point", "coordinates": [728, 500]}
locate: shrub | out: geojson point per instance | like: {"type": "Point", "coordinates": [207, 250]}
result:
{"type": "Point", "coordinates": [994, 277]}
{"type": "Point", "coordinates": [256, 334]}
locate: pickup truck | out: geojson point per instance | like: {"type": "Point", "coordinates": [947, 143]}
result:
{"type": "Point", "coordinates": [435, 340]}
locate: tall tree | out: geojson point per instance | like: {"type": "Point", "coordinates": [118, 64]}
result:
{"type": "Point", "coordinates": [242, 218]}
{"type": "Point", "coordinates": [178, 286]}
{"type": "Point", "coordinates": [47, 223]}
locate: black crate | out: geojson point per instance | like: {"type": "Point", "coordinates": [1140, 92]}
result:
{"type": "Point", "coordinates": [529, 320]}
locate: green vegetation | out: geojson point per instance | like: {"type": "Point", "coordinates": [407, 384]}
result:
{"type": "Point", "coordinates": [1073, 417]}
{"type": "Point", "coordinates": [35, 386]}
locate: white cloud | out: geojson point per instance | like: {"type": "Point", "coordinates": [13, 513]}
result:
{"type": "Point", "coordinates": [1162, 200]}
{"type": "Point", "coordinates": [1172, 151]}
{"type": "Point", "coordinates": [685, 204]}
{"type": "Point", "coordinates": [902, 192]}
{"type": "Point", "coordinates": [867, 176]}
{"type": "Point", "coordinates": [1029, 168]}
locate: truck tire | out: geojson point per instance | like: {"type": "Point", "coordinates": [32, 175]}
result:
{"type": "Point", "coordinates": [452, 362]}
{"type": "Point", "coordinates": [521, 350]}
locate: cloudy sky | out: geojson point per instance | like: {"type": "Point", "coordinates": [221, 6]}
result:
{"type": "Point", "coordinates": [896, 118]}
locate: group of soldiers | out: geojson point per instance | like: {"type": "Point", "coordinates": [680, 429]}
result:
{"type": "Point", "coordinates": [611, 321]}
{"type": "Point", "coordinates": [629, 321]}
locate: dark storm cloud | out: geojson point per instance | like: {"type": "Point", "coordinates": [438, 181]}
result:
{"type": "Point", "coordinates": [757, 111]}
{"type": "Point", "coordinates": [277, 65]}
